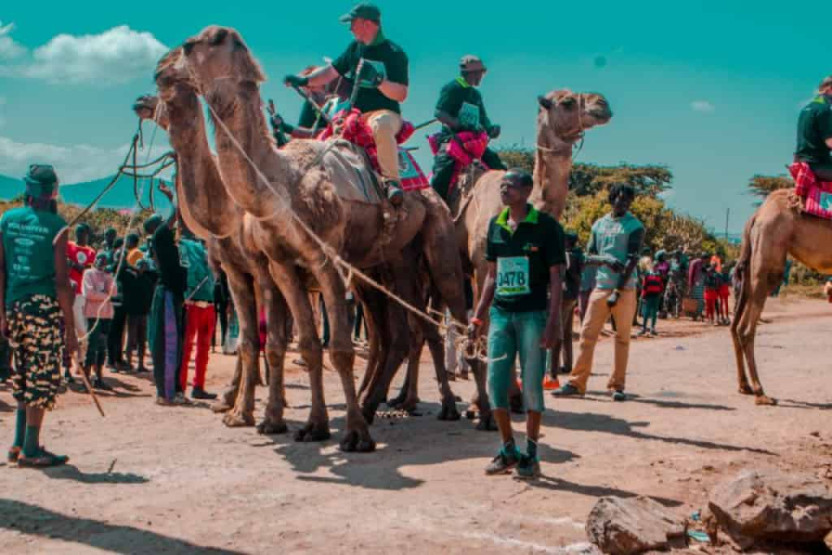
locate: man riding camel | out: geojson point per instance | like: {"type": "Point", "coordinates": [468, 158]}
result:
{"type": "Point", "coordinates": [379, 70]}
{"type": "Point", "coordinates": [814, 133]}
{"type": "Point", "coordinates": [460, 108]}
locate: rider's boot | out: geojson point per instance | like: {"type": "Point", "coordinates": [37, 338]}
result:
{"type": "Point", "coordinates": [394, 192]}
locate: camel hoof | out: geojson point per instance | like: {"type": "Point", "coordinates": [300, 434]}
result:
{"type": "Point", "coordinates": [487, 424]}
{"type": "Point", "coordinates": [745, 389]}
{"type": "Point", "coordinates": [312, 432]}
{"type": "Point", "coordinates": [268, 428]}
{"type": "Point", "coordinates": [765, 400]}
{"type": "Point", "coordinates": [357, 441]}
{"type": "Point", "coordinates": [449, 413]}
{"type": "Point", "coordinates": [369, 414]}
{"type": "Point", "coordinates": [397, 401]}
{"type": "Point", "coordinates": [220, 407]}
{"type": "Point", "coordinates": [238, 420]}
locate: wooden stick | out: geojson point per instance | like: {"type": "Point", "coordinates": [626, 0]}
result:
{"type": "Point", "coordinates": [88, 385]}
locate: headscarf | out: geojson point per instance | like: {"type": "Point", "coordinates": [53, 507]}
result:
{"type": "Point", "coordinates": [41, 182]}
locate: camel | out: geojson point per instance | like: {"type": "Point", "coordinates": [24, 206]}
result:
{"type": "Point", "coordinates": [209, 212]}
{"type": "Point", "coordinates": [778, 228]}
{"type": "Point", "coordinates": [291, 196]}
{"type": "Point", "coordinates": [562, 119]}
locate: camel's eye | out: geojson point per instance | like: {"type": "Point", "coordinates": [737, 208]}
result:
{"type": "Point", "coordinates": [219, 37]}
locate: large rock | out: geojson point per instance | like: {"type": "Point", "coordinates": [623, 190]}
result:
{"type": "Point", "coordinates": [758, 507]}
{"type": "Point", "coordinates": [634, 525]}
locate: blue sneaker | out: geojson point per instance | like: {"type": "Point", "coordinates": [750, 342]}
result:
{"type": "Point", "coordinates": [503, 462]}
{"type": "Point", "coordinates": [618, 395]}
{"type": "Point", "coordinates": [528, 468]}
{"type": "Point", "coordinates": [567, 390]}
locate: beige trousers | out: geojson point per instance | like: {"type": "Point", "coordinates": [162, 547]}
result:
{"type": "Point", "coordinates": [386, 125]}
{"type": "Point", "coordinates": [596, 316]}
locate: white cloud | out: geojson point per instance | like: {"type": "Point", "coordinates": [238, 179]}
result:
{"type": "Point", "coordinates": [74, 163]}
{"type": "Point", "coordinates": [114, 56]}
{"type": "Point", "coordinates": [703, 106]}
{"type": "Point", "coordinates": [8, 47]}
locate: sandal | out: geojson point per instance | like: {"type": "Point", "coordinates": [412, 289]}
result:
{"type": "Point", "coordinates": [44, 459]}
{"type": "Point", "coordinates": [13, 455]}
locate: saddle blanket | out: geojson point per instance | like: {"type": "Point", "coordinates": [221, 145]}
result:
{"type": "Point", "coordinates": [816, 195]}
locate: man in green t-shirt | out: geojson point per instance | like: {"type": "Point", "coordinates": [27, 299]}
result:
{"type": "Point", "coordinates": [378, 68]}
{"type": "Point", "coordinates": [814, 133]}
{"type": "Point", "coordinates": [460, 108]}
{"type": "Point", "coordinates": [614, 246]}
{"type": "Point", "coordinates": [36, 314]}
{"type": "Point", "coordinates": [525, 254]}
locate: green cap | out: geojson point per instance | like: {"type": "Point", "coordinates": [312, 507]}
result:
{"type": "Point", "coordinates": [363, 10]}
{"type": "Point", "coordinates": [41, 181]}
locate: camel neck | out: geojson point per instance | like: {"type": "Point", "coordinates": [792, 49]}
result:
{"type": "Point", "coordinates": [242, 122]}
{"type": "Point", "coordinates": [552, 166]}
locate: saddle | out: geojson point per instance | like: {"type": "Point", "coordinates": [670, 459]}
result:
{"type": "Point", "coordinates": [816, 195]}
{"type": "Point", "coordinates": [465, 148]}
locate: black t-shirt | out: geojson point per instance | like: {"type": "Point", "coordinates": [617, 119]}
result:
{"type": "Point", "coordinates": [460, 100]}
{"type": "Point", "coordinates": [388, 58]}
{"type": "Point", "coordinates": [814, 127]}
{"type": "Point", "coordinates": [523, 259]}
{"type": "Point", "coordinates": [171, 273]}
{"type": "Point", "coordinates": [572, 275]}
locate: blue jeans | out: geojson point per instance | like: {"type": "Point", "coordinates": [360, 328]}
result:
{"type": "Point", "coordinates": [509, 334]}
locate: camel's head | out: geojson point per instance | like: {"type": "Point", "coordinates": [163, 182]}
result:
{"type": "Point", "coordinates": [218, 58]}
{"type": "Point", "coordinates": [149, 107]}
{"type": "Point", "coordinates": [569, 114]}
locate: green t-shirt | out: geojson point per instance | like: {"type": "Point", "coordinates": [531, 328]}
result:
{"type": "Point", "coordinates": [460, 100]}
{"type": "Point", "coordinates": [30, 256]}
{"type": "Point", "coordinates": [523, 259]}
{"type": "Point", "coordinates": [814, 127]}
{"type": "Point", "coordinates": [194, 259]}
{"type": "Point", "coordinates": [388, 58]}
{"type": "Point", "coordinates": [618, 238]}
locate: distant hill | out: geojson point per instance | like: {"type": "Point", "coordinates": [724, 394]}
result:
{"type": "Point", "coordinates": [120, 196]}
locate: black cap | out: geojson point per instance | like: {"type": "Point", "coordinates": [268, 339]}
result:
{"type": "Point", "coordinates": [363, 10]}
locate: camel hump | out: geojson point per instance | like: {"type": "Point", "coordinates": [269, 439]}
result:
{"type": "Point", "coordinates": [348, 169]}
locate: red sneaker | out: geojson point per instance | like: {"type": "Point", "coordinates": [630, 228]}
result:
{"type": "Point", "coordinates": [550, 383]}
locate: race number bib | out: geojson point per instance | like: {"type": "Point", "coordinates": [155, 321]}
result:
{"type": "Point", "coordinates": [469, 116]}
{"type": "Point", "coordinates": [513, 276]}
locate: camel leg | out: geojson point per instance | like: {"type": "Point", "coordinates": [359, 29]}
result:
{"type": "Point", "coordinates": [226, 399]}
{"type": "Point", "coordinates": [357, 435]}
{"type": "Point", "coordinates": [408, 397]}
{"type": "Point", "coordinates": [739, 354]}
{"type": "Point", "coordinates": [242, 291]}
{"type": "Point", "coordinates": [290, 284]}
{"type": "Point", "coordinates": [276, 342]}
{"type": "Point", "coordinates": [391, 324]}
{"type": "Point", "coordinates": [747, 331]}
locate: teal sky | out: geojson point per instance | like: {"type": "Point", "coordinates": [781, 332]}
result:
{"type": "Point", "coordinates": [710, 89]}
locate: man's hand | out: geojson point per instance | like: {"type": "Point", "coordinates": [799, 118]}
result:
{"type": "Point", "coordinates": [494, 131]}
{"type": "Point", "coordinates": [552, 334]}
{"type": "Point", "coordinates": [276, 121]}
{"type": "Point", "coordinates": [367, 73]}
{"type": "Point", "coordinates": [295, 81]}
{"type": "Point", "coordinates": [165, 190]}
{"type": "Point", "coordinates": [612, 300]}
{"type": "Point", "coordinates": [71, 341]}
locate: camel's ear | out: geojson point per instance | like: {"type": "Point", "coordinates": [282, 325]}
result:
{"type": "Point", "coordinates": [544, 102]}
{"type": "Point", "coordinates": [568, 102]}
{"type": "Point", "coordinates": [219, 37]}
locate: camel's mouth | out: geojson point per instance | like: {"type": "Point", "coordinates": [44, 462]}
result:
{"type": "Point", "coordinates": [145, 106]}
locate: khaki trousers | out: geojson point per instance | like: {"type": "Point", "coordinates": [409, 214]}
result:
{"type": "Point", "coordinates": [597, 314]}
{"type": "Point", "coordinates": [386, 125]}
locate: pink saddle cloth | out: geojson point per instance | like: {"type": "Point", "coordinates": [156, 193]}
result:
{"type": "Point", "coordinates": [817, 195]}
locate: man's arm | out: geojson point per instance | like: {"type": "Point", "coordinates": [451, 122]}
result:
{"type": "Point", "coordinates": [165, 190]}
{"type": "Point", "coordinates": [322, 76]}
{"type": "Point", "coordinates": [554, 328]}
{"type": "Point", "coordinates": [393, 91]}
{"type": "Point", "coordinates": [64, 291]}
{"type": "Point", "coordinates": [447, 119]}
{"type": "Point", "coordinates": [633, 248]}
{"type": "Point", "coordinates": [488, 289]}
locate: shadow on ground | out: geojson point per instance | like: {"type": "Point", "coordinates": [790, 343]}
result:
{"type": "Point", "coordinates": [37, 521]}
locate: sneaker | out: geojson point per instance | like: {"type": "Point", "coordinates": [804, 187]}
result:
{"type": "Point", "coordinates": [503, 462]}
{"type": "Point", "coordinates": [528, 468]}
{"type": "Point", "coordinates": [394, 193]}
{"type": "Point", "coordinates": [180, 399]}
{"type": "Point", "coordinates": [618, 395]}
{"type": "Point", "coordinates": [199, 393]}
{"type": "Point", "coordinates": [44, 459]}
{"type": "Point", "coordinates": [568, 390]}
{"type": "Point", "coordinates": [550, 383]}
{"type": "Point", "coordinates": [98, 383]}
{"type": "Point", "coordinates": [13, 455]}
{"type": "Point", "coordinates": [642, 332]}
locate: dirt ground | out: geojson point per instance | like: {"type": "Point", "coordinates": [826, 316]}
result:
{"type": "Point", "coordinates": [148, 479]}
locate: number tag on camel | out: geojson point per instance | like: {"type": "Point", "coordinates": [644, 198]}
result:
{"type": "Point", "coordinates": [513, 276]}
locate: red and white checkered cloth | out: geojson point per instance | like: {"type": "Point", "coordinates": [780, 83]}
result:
{"type": "Point", "coordinates": [817, 195]}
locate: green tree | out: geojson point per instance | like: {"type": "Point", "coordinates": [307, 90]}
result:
{"type": "Point", "coordinates": [762, 185]}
